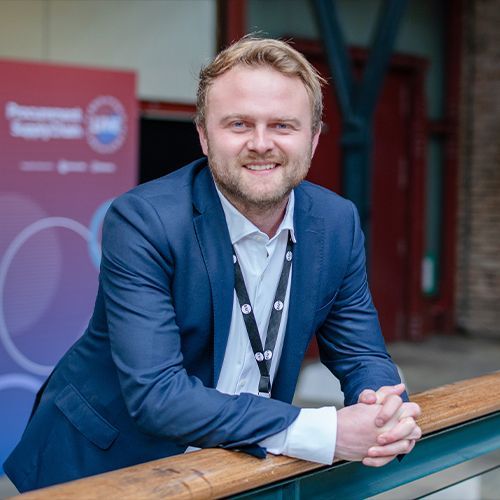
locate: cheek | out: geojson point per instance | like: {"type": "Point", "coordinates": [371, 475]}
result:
{"type": "Point", "coordinates": [298, 151]}
{"type": "Point", "coordinates": [231, 148]}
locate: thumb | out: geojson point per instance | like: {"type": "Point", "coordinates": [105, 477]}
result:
{"type": "Point", "coordinates": [389, 390]}
{"type": "Point", "coordinates": [368, 396]}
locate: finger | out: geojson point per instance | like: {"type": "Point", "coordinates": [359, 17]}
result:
{"type": "Point", "coordinates": [416, 434]}
{"type": "Point", "coordinates": [377, 462]}
{"type": "Point", "coordinates": [388, 410]}
{"type": "Point", "coordinates": [368, 396]}
{"type": "Point", "coordinates": [399, 447]}
{"type": "Point", "coordinates": [404, 428]}
{"type": "Point", "coordinates": [387, 390]}
{"type": "Point", "coordinates": [410, 410]}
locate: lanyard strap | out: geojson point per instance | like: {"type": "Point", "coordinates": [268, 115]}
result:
{"type": "Point", "coordinates": [263, 356]}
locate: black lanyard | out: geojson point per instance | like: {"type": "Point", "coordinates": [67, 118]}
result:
{"type": "Point", "coordinates": [263, 356]}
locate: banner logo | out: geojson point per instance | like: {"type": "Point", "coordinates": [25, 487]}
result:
{"type": "Point", "coordinates": [106, 123]}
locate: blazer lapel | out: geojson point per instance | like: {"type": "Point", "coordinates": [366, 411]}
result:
{"type": "Point", "coordinates": [306, 273]}
{"type": "Point", "coordinates": [213, 237]}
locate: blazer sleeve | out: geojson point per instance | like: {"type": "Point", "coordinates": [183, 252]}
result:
{"type": "Point", "coordinates": [136, 271]}
{"type": "Point", "coordinates": [350, 340]}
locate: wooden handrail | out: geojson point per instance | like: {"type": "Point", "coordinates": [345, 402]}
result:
{"type": "Point", "coordinates": [215, 473]}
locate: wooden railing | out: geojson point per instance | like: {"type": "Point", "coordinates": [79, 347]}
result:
{"type": "Point", "coordinates": [459, 421]}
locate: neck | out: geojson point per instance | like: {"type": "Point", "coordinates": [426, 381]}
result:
{"type": "Point", "coordinates": [267, 218]}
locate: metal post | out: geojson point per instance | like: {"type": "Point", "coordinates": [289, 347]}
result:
{"type": "Point", "coordinates": [357, 101]}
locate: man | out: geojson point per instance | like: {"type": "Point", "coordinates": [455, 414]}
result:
{"type": "Point", "coordinates": [213, 280]}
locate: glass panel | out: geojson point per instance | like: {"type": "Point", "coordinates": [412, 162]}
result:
{"type": "Point", "coordinates": [476, 479]}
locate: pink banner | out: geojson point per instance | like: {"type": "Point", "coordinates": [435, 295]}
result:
{"type": "Point", "coordinates": [68, 145]}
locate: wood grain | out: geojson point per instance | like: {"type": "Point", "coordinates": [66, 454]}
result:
{"type": "Point", "coordinates": [215, 473]}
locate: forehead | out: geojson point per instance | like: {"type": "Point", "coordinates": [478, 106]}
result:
{"type": "Point", "coordinates": [259, 88]}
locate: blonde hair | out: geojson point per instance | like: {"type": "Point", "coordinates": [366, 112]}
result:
{"type": "Point", "coordinates": [252, 51]}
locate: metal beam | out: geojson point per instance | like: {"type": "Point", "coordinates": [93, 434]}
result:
{"type": "Point", "coordinates": [357, 100]}
{"type": "Point", "coordinates": [382, 45]}
{"type": "Point", "coordinates": [336, 55]}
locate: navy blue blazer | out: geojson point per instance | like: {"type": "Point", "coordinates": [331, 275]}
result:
{"type": "Point", "coordinates": [139, 384]}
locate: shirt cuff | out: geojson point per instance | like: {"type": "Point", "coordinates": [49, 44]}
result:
{"type": "Point", "coordinates": [312, 436]}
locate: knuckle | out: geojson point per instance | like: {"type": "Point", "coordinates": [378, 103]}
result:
{"type": "Point", "coordinates": [415, 409]}
{"type": "Point", "coordinates": [395, 400]}
{"type": "Point", "coordinates": [410, 421]}
{"type": "Point", "coordinates": [385, 413]}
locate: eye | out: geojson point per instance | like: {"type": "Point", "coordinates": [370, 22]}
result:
{"type": "Point", "coordinates": [238, 124]}
{"type": "Point", "coordinates": [283, 126]}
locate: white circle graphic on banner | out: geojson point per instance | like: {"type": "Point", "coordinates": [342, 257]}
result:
{"type": "Point", "coordinates": [40, 225]}
{"type": "Point", "coordinates": [38, 286]}
{"type": "Point", "coordinates": [19, 381]}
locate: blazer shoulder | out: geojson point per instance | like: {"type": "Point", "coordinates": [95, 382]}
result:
{"type": "Point", "coordinates": [324, 202]}
{"type": "Point", "coordinates": [170, 192]}
{"type": "Point", "coordinates": [174, 183]}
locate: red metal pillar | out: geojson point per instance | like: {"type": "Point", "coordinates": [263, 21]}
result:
{"type": "Point", "coordinates": [232, 20]}
{"type": "Point", "coordinates": [453, 59]}
{"type": "Point", "coordinates": [418, 149]}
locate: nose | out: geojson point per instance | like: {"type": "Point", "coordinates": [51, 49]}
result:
{"type": "Point", "coordinates": [260, 141]}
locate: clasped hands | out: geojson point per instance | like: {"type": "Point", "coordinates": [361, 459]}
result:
{"type": "Point", "coordinates": [378, 428]}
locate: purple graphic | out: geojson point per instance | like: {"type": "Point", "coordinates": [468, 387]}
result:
{"type": "Point", "coordinates": [67, 148]}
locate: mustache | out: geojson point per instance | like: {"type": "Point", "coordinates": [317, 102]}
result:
{"type": "Point", "coordinates": [268, 158]}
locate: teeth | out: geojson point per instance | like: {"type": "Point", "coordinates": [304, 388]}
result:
{"type": "Point", "coordinates": [269, 166]}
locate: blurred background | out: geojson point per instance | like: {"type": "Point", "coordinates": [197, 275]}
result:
{"type": "Point", "coordinates": [99, 95]}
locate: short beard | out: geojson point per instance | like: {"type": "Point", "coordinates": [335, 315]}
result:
{"type": "Point", "coordinates": [231, 190]}
{"type": "Point", "coordinates": [230, 187]}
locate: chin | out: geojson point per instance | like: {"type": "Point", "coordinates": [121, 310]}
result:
{"type": "Point", "coordinates": [267, 200]}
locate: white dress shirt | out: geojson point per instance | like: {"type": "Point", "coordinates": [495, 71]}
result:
{"type": "Point", "coordinates": [312, 435]}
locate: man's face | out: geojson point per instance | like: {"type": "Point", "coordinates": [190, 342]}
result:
{"type": "Point", "coordinates": [257, 135]}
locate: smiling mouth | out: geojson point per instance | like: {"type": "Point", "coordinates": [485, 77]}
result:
{"type": "Point", "coordinates": [260, 167]}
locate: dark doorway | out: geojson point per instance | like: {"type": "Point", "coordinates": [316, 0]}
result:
{"type": "Point", "coordinates": [166, 144]}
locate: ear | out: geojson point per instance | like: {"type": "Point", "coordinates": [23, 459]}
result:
{"type": "Point", "coordinates": [315, 140]}
{"type": "Point", "coordinates": [202, 135]}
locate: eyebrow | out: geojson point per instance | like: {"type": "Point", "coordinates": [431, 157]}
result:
{"type": "Point", "coordinates": [278, 119]}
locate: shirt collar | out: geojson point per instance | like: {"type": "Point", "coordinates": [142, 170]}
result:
{"type": "Point", "coordinates": [239, 226]}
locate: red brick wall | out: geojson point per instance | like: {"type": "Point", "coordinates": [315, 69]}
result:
{"type": "Point", "coordinates": [478, 270]}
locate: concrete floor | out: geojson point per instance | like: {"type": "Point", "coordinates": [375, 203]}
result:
{"type": "Point", "coordinates": [424, 365]}
{"type": "Point", "coordinates": [436, 361]}
{"type": "Point", "coordinates": [444, 359]}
